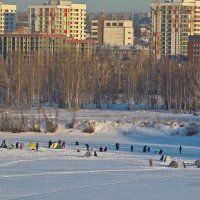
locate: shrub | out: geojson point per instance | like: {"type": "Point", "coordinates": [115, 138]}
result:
{"type": "Point", "coordinates": [89, 128]}
{"type": "Point", "coordinates": [72, 123]}
{"type": "Point", "coordinates": [51, 122]}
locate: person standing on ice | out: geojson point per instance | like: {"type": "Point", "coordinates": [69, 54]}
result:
{"type": "Point", "coordinates": [180, 149]}
{"type": "Point", "coordinates": [37, 146]}
{"type": "Point", "coordinates": [50, 143]}
{"type": "Point", "coordinates": [17, 145]}
{"type": "Point", "coordinates": [117, 146]}
{"type": "Point", "coordinates": [131, 148]}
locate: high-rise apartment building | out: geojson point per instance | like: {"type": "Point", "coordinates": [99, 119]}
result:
{"type": "Point", "coordinates": [7, 18]}
{"type": "Point", "coordinates": [59, 17]}
{"type": "Point", "coordinates": [173, 21]}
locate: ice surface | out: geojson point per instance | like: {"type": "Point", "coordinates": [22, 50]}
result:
{"type": "Point", "coordinates": [113, 175]}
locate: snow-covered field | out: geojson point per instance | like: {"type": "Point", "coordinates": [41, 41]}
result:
{"type": "Point", "coordinates": [68, 174]}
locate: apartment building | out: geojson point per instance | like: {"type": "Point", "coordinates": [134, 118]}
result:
{"type": "Point", "coordinates": [7, 18]}
{"type": "Point", "coordinates": [42, 44]}
{"type": "Point", "coordinates": [194, 49]}
{"type": "Point", "coordinates": [59, 17]}
{"type": "Point", "coordinates": [112, 32]}
{"type": "Point", "coordinates": [173, 21]}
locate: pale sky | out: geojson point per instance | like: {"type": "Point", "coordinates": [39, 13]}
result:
{"type": "Point", "coordinates": [94, 5]}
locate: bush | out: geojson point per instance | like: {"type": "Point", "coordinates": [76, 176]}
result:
{"type": "Point", "coordinates": [14, 122]}
{"type": "Point", "coordinates": [72, 123]}
{"type": "Point", "coordinates": [193, 129]}
{"type": "Point", "coordinates": [89, 128]}
{"type": "Point", "coordinates": [51, 122]}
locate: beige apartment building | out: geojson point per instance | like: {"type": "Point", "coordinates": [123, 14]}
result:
{"type": "Point", "coordinates": [112, 32]}
{"type": "Point", "coordinates": [7, 18]}
{"type": "Point", "coordinates": [59, 17]}
{"type": "Point", "coordinates": [173, 21]}
{"type": "Point", "coordinates": [30, 45]}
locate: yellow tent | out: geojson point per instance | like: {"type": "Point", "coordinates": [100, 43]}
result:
{"type": "Point", "coordinates": [53, 145]}
{"type": "Point", "coordinates": [31, 146]}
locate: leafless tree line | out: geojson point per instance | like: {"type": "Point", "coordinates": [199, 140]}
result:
{"type": "Point", "coordinates": [71, 81]}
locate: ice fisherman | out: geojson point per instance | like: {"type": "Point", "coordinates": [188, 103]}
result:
{"type": "Point", "coordinates": [50, 143]}
{"type": "Point", "coordinates": [180, 149]}
{"type": "Point", "coordinates": [131, 148]}
{"type": "Point", "coordinates": [87, 146]}
{"type": "Point", "coordinates": [161, 151]}
{"type": "Point", "coordinates": [3, 145]}
{"type": "Point", "coordinates": [95, 153]}
{"type": "Point", "coordinates": [37, 146]}
{"type": "Point", "coordinates": [63, 144]}
{"type": "Point", "coordinates": [17, 145]}
{"type": "Point", "coordinates": [117, 146]}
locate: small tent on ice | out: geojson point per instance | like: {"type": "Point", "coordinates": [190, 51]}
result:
{"type": "Point", "coordinates": [31, 146]}
{"type": "Point", "coordinates": [10, 146]}
{"type": "Point", "coordinates": [88, 154]}
{"type": "Point", "coordinates": [174, 164]}
{"type": "Point", "coordinates": [166, 159]}
{"type": "Point", "coordinates": [197, 163]}
{"type": "Point", "coordinates": [55, 145]}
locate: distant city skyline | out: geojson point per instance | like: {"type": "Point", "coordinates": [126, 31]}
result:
{"type": "Point", "coordinates": [94, 5]}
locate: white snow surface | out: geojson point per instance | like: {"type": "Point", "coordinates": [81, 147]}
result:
{"type": "Point", "coordinates": [51, 174]}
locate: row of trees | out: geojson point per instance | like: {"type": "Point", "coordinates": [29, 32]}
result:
{"type": "Point", "coordinates": [71, 81]}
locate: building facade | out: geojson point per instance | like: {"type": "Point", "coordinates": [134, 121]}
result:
{"type": "Point", "coordinates": [112, 32]}
{"type": "Point", "coordinates": [42, 44]}
{"type": "Point", "coordinates": [173, 21]}
{"type": "Point", "coordinates": [194, 49]}
{"type": "Point", "coordinates": [59, 17]}
{"type": "Point", "coordinates": [7, 18]}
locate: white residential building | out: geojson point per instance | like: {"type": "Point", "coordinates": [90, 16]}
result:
{"type": "Point", "coordinates": [59, 17]}
{"type": "Point", "coordinates": [7, 18]}
{"type": "Point", "coordinates": [173, 21]}
{"type": "Point", "coordinates": [113, 32]}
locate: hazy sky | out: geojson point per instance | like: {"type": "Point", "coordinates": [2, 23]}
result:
{"type": "Point", "coordinates": [95, 5]}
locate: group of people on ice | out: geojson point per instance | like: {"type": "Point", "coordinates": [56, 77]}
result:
{"type": "Point", "coordinates": [18, 145]}
{"type": "Point", "coordinates": [60, 144]}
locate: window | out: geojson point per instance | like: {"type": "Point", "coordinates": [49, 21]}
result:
{"type": "Point", "coordinates": [121, 24]}
{"type": "Point", "coordinates": [114, 24]}
{"type": "Point", "coordinates": [108, 24]}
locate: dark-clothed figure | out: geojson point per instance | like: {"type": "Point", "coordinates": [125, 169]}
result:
{"type": "Point", "coordinates": [180, 149]}
{"type": "Point", "coordinates": [37, 146]}
{"type": "Point", "coordinates": [87, 147]}
{"type": "Point", "coordinates": [63, 144]}
{"type": "Point", "coordinates": [50, 143]}
{"type": "Point", "coordinates": [77, 143]}
{"type": "Point", "coordinates": [95, 153]}
{"type": "Point", "coordinates": [161, 151]}
{"type": "Point", "coordinates": [131, 148]}
{"type": "Point", "coordinates": [100, 149]}
{"type": "Point", "coordinates": [117, 146]}
{"type": "Point", "coordinates": [3, 144]}
{"type": "Point", "coordinates": [17, 145]}
{"type": "Point", "coordinates": [59, 142]}
{"type": "Point", "coordinates": [145, 149]}
{"type": "Point", "coordinates": [105, 149]}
